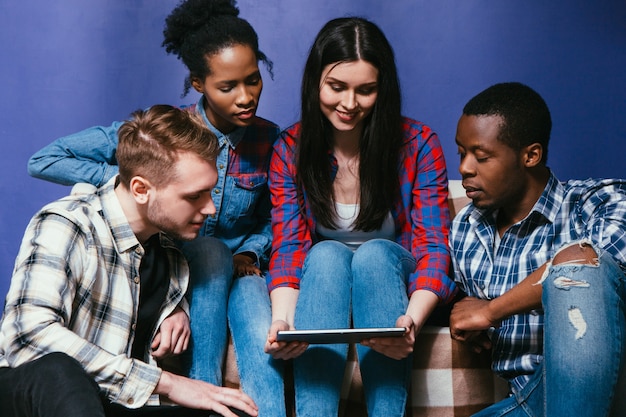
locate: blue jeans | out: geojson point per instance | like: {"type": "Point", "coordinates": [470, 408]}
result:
{"type": "Point", "coordinates": [584, 345]}
{"type": "Point", "coordinates": [216, 297]}
{"type": "Point", "coordinates": [339, 288]}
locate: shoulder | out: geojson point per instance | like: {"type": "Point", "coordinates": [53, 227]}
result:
{"type": "Point", "coordinates": [414, 130]}
{"type": "Point", "coordinates": [78, 211]}
{"type": "Point", "coordinates": [595, 191]}
{"type": "Point", "coordinates": [288, 137]}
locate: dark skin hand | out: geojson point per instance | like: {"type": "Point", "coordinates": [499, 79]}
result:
{"type": "Point", "coordinates": [470, 318]}
{"type": "Point", "coordinates": [244, 264]}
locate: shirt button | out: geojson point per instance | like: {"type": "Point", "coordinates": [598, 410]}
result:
{"type": "Point", "coordinates": [217, 191]}
{"type": "Point", "coordinates": [131, 401]}
{"type": "Point", "coordinates": [136, 280]}
{"type": "Point", "coordinates": [221, 166]}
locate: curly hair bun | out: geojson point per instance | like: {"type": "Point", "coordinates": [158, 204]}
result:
{"type": "Point", "coordinates": [192, 15]}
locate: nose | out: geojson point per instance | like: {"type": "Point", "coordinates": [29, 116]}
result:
{"type": "Point", "coordinates": [466, 167]}
{"type": "Point", "coordinates": [209, 207]}
{"type": "Point", "coordinates": [245, 97]}
{"type": "Point", "coordinates": [349, 101]}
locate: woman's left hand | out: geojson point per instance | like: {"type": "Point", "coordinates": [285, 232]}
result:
{"type": "Point", "coordinates": [395, 347]}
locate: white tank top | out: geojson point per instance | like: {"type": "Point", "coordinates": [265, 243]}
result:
{"type": "Point", "coordinates": [347, 214]}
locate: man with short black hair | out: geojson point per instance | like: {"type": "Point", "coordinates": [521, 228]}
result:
{"type": "Point", "coordinates": [529, 244]}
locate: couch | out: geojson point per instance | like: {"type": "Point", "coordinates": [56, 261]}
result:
{"type": "Point", "coordinates": [448, 379]}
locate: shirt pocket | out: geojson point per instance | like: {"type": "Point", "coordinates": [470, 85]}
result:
{"type": "Point", "coordinates": [244, 191]}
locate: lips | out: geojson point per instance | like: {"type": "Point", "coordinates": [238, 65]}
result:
{"type": "Point", "coordinates": [245, 115]}
{"type": "Point", "coordinates": [470, 191]}
{"type": "Point", "coordinates": [346, 117]}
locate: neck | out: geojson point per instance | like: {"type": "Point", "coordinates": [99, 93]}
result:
{"type": "Point", "coordinates": [134, 213]}
{"type": "Point", "coordinates": [517, 210]}
{"type": "Point", "coordinates": [346, 144]}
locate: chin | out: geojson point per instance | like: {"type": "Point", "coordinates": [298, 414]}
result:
{"type": "Point", "coordinates": [483, 204]}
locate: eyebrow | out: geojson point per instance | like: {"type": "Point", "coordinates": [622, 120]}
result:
{"type": "Point", "coordinates": [247, 77]}
{"type": "Point", "coordinates": [335, 80]}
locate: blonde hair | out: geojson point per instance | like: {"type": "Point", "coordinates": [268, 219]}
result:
{"type": "Point", "coordinates": [149, 143]}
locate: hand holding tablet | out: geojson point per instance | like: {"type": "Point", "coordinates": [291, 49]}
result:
{"type": "Point", "coordinates": [326, 336]}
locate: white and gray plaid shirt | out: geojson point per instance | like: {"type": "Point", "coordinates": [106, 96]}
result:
{"type": "Point", "coordinates": [565, 212]}
{"type": "Point", "coordinates": [75, 289]}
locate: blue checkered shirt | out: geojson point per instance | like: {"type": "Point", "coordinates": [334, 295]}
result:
{"type": "Point", "coordinates": [565, 212]}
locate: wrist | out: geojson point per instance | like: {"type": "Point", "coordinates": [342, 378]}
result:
{"type": "Point", "coordinates": [495, 312]}
{"type": "Point", "coordinates": [247, 257]}
{"type": "Point", "coordinates": [165, 384]}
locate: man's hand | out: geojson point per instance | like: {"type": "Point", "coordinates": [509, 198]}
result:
{"type": "Point", "coordinates": [469, 319]}
{"type": "Point", "coordinates": [201, 395]}
{"type": "Point", "coordinates": [173, 335]}
{"type": "Point", "coordinates": [395, 347]}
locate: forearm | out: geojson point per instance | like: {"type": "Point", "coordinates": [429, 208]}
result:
{"type": "Point", "coordinates": [284, 300]}
{"type": "Point", "coordinates": [522, 298]}
{"type": "Point", "coordinates": [421, 305]}
{"type": "Point", "coordinates": [86, 156]}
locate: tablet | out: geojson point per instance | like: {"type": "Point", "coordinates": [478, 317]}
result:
{"type": "Point", "coordinates": [338, 335]}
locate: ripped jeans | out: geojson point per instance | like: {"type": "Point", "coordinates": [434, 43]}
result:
{"type": "Point", "coordinates": [584, 345]}
{"type": "Point", "coordinates": [585, 337]}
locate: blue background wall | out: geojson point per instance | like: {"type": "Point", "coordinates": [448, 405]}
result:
{"type": "Point", "coordinates": [65, 66]}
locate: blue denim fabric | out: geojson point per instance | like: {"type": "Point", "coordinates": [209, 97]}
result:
{"type": "Point", "coordinates": [527, 402]}
{"type": "Point", "coordinates": [85, 156]}
{"type": "Point", "coordinates": [585, 337]}
{"type": "Point", "coordinates": [369, 289]}
{"type": "Point", "coordinates": [213, 297]}
{"type": "Point", "coordinates": [249, 317]}
{"type": "Point", "coordinates": [211, 275]}
{"type": "Point", "coordinates": [584, 346]}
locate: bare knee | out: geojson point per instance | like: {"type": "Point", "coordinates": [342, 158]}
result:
{"type": "Point", "coordinates": [576, 253]}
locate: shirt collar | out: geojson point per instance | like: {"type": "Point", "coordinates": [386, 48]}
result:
{"type": "Point", "coordinates": [547, 206]}
{"type": "Point", "coordinates": [232, 139]}
{"type": "Point", "coordinates": [551, 199]}
{"type": "Point", "coordinates": [123, 234]}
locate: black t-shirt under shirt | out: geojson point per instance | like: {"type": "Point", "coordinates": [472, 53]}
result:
{"type": "Point", "coordinates": [154, 283]}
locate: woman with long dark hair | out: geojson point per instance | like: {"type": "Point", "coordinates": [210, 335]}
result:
{"type": "Point", "coordinates": [360, 222]}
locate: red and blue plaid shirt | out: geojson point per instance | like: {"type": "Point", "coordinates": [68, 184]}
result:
{"type": "Point", "coordinates": [421, 214]}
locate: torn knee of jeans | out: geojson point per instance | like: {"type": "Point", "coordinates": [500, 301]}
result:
{"type": "Point", "coordinates": [577, 253]}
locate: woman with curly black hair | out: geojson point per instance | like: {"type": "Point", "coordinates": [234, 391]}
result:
{"type": "Point", "coordinates": [228, 260]}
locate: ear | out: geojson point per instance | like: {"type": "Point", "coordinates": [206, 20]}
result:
{"type": "Point", "coordinates": [532, 155]}
{"type": "Point", "coordinates": [140, 189]}
{"type": "Point", "coordinates": [197, 84]}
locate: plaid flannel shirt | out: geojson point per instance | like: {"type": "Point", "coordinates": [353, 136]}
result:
{"type": "Point", "coordinates": [565, 212]}
{"type": "Point", "coordinates": [75, 289]}
{"type": "Point", "coordinates": [421, 214]}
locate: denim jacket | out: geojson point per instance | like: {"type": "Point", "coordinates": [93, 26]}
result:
{"type": "Point", "coordinates": [241, 196]}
